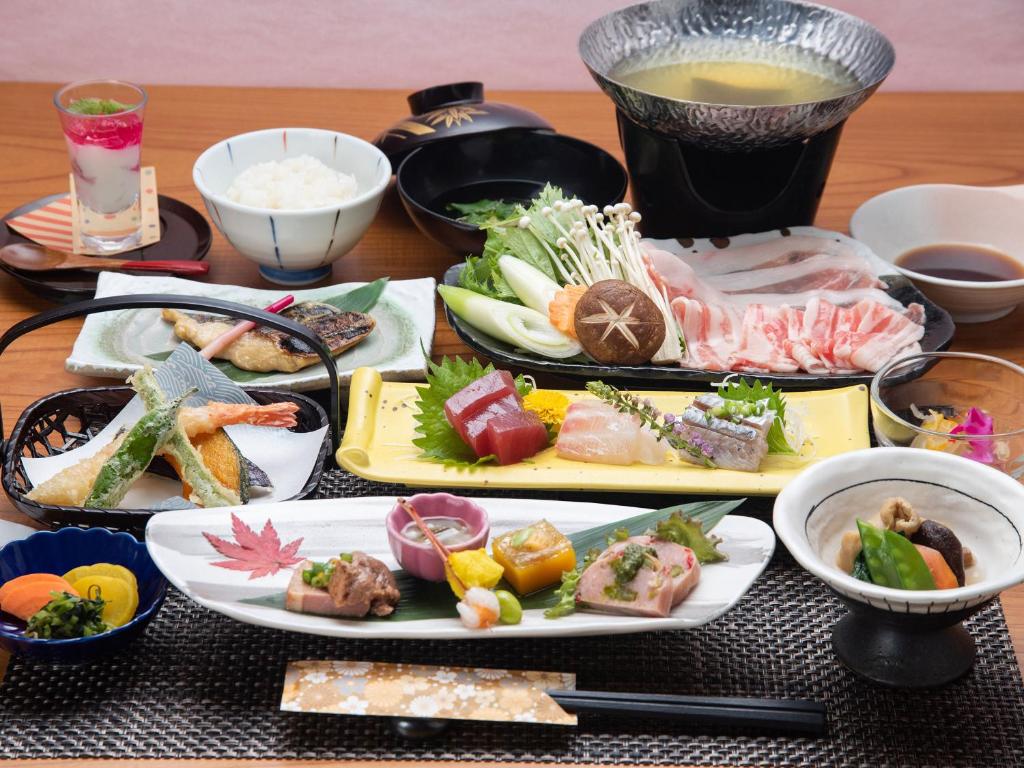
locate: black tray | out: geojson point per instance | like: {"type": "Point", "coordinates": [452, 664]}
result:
{"type": "Point", "coordinates": [185, 235]}
{"type": "Point", "coordinates": [938, 334]}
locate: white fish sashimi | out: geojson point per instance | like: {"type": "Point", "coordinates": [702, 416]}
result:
{"type": "Point", "coordinates": [595, 432]}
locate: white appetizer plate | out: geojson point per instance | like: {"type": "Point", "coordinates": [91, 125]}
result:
{"type": "Point", "coordinates": [329, 526]}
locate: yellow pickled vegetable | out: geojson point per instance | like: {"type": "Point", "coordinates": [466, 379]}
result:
{"type": "Point", "coordinates": [102, 569]}
{"type": "Point", "coordinates": [474, 569]}
{"type": "Point", "coordinates": [936, 422]}
{"type": "Point", "coordinates": [550, 406]}
{"type": "Point", "coordinates": [121, 599]}
{"type": "Point", "coordinates": [534, 557]}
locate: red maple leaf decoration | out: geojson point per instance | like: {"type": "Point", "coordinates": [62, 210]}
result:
{"type": "Point", "coordinates": [262, 553]}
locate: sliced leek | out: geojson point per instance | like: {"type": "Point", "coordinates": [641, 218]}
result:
{"type": "Point", "coordinates": [519, 326]}
{"type": "Point", "coordinates": [533, 287]}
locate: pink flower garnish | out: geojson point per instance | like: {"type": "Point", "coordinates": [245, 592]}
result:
{"type": "Point", "coordinates": [977, 422]}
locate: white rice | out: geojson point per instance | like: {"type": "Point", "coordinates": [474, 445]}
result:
{"type": "Point", "coordinates": [293, 184]}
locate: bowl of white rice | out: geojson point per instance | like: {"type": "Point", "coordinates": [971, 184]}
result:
{"type": "Point", "coordinates": [292, 199]}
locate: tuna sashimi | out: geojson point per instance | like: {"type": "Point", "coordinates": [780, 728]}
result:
{"type": "Point", "coordinates": [477, 395]}
{"type": "Point", "coordinates": [594, 431]}
{"type": "Point", "coordinates": [516, 435]}
{"type": "Point", "coordinates": [473, 430]}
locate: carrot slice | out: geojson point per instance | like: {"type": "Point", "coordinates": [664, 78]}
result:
{"type": "Point", "coordinates": [25, 600]}
{"type": "Point", "coordinates": [941, 572]}
{"type": "Point", "coordinates": [562, 308]}
{"type": "Point", "coordinates": [28, 578]}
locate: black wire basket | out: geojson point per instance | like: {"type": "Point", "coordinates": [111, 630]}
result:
{"type": "Point", "coordinates": [66, 420]}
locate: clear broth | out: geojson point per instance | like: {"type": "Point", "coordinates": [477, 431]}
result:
{"type": "Point", "coordinates": [450, 531]}
{"type": "Point", "coordinates": [962, 261]}
{"type": "Point", "coordinates": [742, 72]}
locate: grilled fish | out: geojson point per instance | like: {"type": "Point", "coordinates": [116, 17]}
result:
{"type": "Point", "coordinates": [265, 349]}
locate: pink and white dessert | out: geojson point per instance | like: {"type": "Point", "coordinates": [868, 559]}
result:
{"type": "Point", "coordinates": [105, 152]}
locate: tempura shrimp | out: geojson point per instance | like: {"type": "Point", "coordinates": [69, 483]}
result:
{"type": "Point", "coordinates": [212, 416]}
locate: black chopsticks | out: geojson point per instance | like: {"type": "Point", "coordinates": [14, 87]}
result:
{"type": "Point", "coordinates": [798, 716]}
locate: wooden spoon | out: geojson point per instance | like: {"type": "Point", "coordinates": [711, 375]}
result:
{"type": "Point", "coordinates": [35, 258]}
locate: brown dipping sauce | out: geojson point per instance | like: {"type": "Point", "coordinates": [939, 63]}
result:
{"type": "Point", "coordinates": [962, 261]}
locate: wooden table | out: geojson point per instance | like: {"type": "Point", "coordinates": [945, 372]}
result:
{"type": "Point", "coordinates": [894, 140]}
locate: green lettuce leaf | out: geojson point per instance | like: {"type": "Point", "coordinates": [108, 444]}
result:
{"type": "Point", "coordinates": [437, 439]}
{"type": "Point", "coordinates": [482, 275]}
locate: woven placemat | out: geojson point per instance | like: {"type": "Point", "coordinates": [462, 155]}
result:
{"type": "Point", "coordinates": [199, 685]}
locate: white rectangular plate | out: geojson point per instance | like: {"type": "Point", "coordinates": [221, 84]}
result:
{"type": "Point", "coordinates": [330, 526]}
{"type": "Point", "coordinates": [118, 343]}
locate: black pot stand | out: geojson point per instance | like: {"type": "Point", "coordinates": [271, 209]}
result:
{"type": "Point", "coordinates": [905, 650]}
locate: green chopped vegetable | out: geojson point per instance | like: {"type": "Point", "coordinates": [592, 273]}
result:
{"type": "Point", "coordinates": [484, 211]}
{"type": "Point", "coordinates": [619, 534]}
{"type": "Point", "coordinates": [522, 536]}
{"type": "Point", "coordinates": [511, 612]}
{"type": "Point", "coordinates": [860, 568]}
{"type": "Point", "coordinates": [437, 439]}
{"type": "Point", "coordinates": [134, 454]}
{"type": "Point", "coordinates": [68, 616]}
{"type": "Point", "coordinates": [628, 564]}
{"type": "Point", "coordinates": [94, 106]}
{"type": "Point", "coordinates": [690, 533]}
{"type": "Point", "coordinates": [319, 574]}
{"type": "Point", "coordinates": [768, 398]}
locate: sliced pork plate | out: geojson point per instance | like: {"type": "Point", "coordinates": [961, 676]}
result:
{"type": "Point", "coordinates": [790, 303]}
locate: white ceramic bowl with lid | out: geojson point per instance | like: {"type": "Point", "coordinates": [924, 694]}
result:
{"type": "Point", "coordinates": [903, 219]}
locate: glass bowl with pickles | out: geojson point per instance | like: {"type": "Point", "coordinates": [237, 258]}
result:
{"type": "Point", "coordinates": [76, 595]}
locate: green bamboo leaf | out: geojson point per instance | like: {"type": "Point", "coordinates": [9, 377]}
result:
{"type": "Point", "coordinates": [361, 299]}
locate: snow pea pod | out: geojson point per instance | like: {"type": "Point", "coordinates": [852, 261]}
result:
{"type": "Point", "coordinates": [878, 556]}
{"type": "Point", "coordinates": [914, 573]}
{"type": "Point", "coordinates": [134, 455]}
{"type": "Point", "coordinates": [892, 560]}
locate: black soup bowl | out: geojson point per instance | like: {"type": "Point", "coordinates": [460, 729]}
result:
{"type": "Point", "coordinates": [512, 165]}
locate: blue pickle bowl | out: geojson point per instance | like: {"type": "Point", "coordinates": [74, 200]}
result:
{"type": "Point", "coordinates": [60, 551]}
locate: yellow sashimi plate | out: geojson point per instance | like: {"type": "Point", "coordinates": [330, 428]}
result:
{"type": "Point", "coordinates": [378, 446]}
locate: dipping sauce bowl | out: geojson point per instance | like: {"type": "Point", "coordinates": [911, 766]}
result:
{"type": "Point", "coordinates": [990, 218]}
{"type": "Point", "coordinates": [419, 557]}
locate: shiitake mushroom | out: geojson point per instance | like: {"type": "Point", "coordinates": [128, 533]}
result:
{"type": "Point", "coordinates": [618, 324]}
{"type": "Point", "coordinates": [939, 537]}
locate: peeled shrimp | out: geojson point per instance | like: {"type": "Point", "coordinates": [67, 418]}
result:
{"type": "Point", "coordinates": [212, 416]}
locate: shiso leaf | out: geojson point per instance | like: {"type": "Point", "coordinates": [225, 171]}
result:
{"type": "Point", "coordinates": [755, 392]}
{"type": "Point", "coordinates": [437, 439]}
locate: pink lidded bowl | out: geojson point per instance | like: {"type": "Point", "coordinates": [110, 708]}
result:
{"type": "Point", "coordinates": [419, 558]}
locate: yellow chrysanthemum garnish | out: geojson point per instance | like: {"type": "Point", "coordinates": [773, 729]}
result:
{"type": "Point", "coordinates": [550, 406]}
{"type": "Point", "coordinates": [936, 422]}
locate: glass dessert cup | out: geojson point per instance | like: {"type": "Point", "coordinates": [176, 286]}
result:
{"type": "Point", "coordinates": [102, 124]}
{"type": "Point", "coordinates": [956, 387]}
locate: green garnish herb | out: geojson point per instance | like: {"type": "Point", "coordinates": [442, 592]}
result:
{"type": "Point", "coordinates": [624, 402]}
{"type": "Point", "coordinates": [566, 594]}
{"type": "Point", "coordinates": [484, 212]}
{"type": "Point", "coordinates": [676, 571]}
{"type": "Point", "coordinates": [767, 398]}
{"type": "Point", "coordinates": [626, 567]}
{"type": "Point", "coordinates": [68, 616]}
{"type": "Point", "coordinates": [346, 556]}
{"type": "Point", "coordinates": [522, 536]}
{"type": "Point", "coordinates": [619, 591]}
{"type": "Point", "coordinates": [319, 574]}
{"type": "Point", "coordinates": [94, 106]}
{"type": "Point", "coordinates": [619, 534]}
{"type": "Point", "coordinates": [690, 533]}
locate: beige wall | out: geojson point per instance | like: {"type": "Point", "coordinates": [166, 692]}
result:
{"type": "Point", "coordinates": [940, 44]}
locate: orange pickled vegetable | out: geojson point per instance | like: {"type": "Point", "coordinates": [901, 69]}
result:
{"type": "Point", "coordinates": [940, 570]}
{"type": "Point", "coordinates": [563, 307]}
{"type": "Point", "coordinates": [27, 599]}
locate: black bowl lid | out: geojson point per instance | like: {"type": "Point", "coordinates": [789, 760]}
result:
{"type": "Point", "coordinates": [446, 111]}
